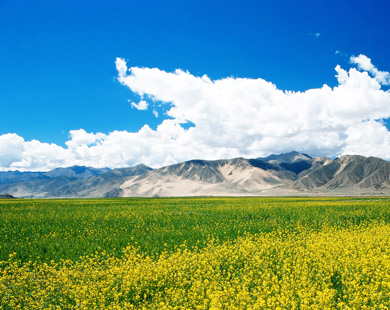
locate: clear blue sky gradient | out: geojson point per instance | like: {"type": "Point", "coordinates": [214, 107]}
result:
{"type": "Point", "coordinates": [57, 70]}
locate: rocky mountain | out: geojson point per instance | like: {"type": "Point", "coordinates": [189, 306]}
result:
{"type": "Point", "coordinates": [237, 176]}
{"type": "Point", "coordinates": [104, 185]}
{"type": "Point", "coordinates": [293, 161]}
{"type": "Point", "coordinates": [287, 158]}
{"type": "Point", "coordinates": [349, 173]}
{"type": "Point", "coordinates": [69, 182]}
{"type": "Point", "coordinates": [7, 196]}
{"type": "Point", "coordinates": [76, 172]}
{"type": "Point", "coordinates": [284, 174]}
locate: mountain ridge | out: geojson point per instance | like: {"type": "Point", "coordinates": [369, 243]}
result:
{"type": "Point", "coordinates": [65, 186]}
{"type": "Point", "coordinates": [72, 172]}
{"type": "Point", "coordinates": [284, 174]}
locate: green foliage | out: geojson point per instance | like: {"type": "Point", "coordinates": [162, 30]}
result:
{"type": "Point", "coordinates": [195, 253]}
{"type": "Point", "coordinates": [45, 230]}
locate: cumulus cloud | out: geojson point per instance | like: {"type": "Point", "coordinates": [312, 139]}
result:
{"type": "Point", "coordinates": [229, 117]}
{"type": "Point", "coordinates": [364, 63]}
{"type": "Point", "coordinates": [142, 105]}
{"type": "Point", "coordinates": [11, 149]}
{"type": "Point", "coordinates": [18, 154]}
{"type": "Point", "coordinates": [363, 136]}
{"type": "Point", "coordinates": [121, 66]}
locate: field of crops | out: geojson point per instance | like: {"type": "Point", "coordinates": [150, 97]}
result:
{"type": "Point", "coordinates": [195, 253]}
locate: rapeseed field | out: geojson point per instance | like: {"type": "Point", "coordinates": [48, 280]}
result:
{"type": "Point", "coordinates": [195, 253]}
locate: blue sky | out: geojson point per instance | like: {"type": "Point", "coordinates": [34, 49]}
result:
{"type": "Point", "coordinates": [58, 72]}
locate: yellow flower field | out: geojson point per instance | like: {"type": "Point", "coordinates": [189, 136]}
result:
{"type": "Point", "coordinates": [342, 261]}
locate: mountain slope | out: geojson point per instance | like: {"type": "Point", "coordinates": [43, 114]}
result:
{"type": "Point", "coordinates": [287, 158]}
{"type": "Point", "coordinates": [77, 172]}
{"type": "Point", "coordinates": [351, 172]}
{"type": "Point", "coordinates": [293, 161]}
{"type": "Point", "coordinates": [7, 177]}
{"type": "Point", "coordinates": [285, 174]}
{"type": "Point", "coordinates": [74, 182]}
{"type": "Point", "coordinates": [237, 176]}
{"type": "Point", "coordinates": [104, 185]}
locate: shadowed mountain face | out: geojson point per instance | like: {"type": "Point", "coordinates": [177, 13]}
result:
{"type": "Point", "coordinates": [6, 196]}
{"type": "Point", "coordinates": [76, 172]}
{"type": "Point", "coordinates": [70, 182]}
{"type": "Point", "coordinates": [285, 174]}
{"type": "Point", "coordinates": [293, 161]}
{"type": "Point", "coordinates": [286, 158]}
{"type": "Point", "coordinates": [347, 172]}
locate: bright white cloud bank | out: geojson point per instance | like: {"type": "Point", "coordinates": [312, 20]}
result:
{"type": "Point", "coordinates": [364, 63]}
{"type": "Point", "coordinates": [231, 117]}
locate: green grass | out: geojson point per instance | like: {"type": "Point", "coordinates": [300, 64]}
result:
{"type": "Point", "coordinates": [45, 230]}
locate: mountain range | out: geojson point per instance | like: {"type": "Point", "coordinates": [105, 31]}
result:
{"type": "Point", "coordinates": [284, 174]}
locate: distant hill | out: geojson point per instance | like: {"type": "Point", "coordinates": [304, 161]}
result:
{"type": "Point", "coordinates": [104, 185]}
{"type": "Point", "coordinates": [284, 174]}
{"type": "Point", "coordinates": [287, 158]}
{"type": "Point", "coordinates": [75, 172]}
{"type": "Point", "coordinates": [70, 182]}
{"type": "Point", "coordinates": [350, 173]}
{"type": "Point", "coordinates": [78, 172]}
{"type": "Point", "coordinates": [7, 196]}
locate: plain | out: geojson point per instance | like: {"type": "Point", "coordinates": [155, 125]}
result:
{"type": "Point", "coordinates": [195, 253]}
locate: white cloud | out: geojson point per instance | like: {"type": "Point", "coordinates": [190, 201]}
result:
{"type": "Point", "coordinates": [11, 149]}
{"type": "Point", "coordinates": [142, 105]}
{"type": "Point", "coordinates": [364, 63]}
{"type": "Point", "coordinates": [363, 136]}
{"type": "Point", "coordinates": [18, 154]}
{"type": "Point", "coordinates": [121, 66]}
{"type": "Point", "coordinates": [81, 137]}
{"type": "Point", "coordinates": [231, 117]}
